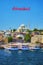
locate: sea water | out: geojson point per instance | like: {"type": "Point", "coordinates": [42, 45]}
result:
{"type": "Point", "coordinates": [20, 57]}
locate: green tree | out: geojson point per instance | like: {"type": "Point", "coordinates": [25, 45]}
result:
{"type": "Point", "coordinates": [10, 39]}
{"type": "Point", "coordinates": [41, 30]}
{"type": "Point", "coordinates": [27, 38]}
{"type": "Point", "coordinates": [35, 29]}
{"type": "Point", "coordinates": [14, 30]}
{"type": "Point", "coordinates": [29, 31]}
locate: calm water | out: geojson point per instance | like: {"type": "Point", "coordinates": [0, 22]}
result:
{"type": "Point", "coordinates": [21, 57]}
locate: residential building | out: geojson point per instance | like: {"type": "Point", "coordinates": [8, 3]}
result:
{"type": "Point", "coordinates": [7, 33]}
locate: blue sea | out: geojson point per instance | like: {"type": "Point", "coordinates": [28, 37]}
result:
{"type": "Point", "coordinates": [20, 57]}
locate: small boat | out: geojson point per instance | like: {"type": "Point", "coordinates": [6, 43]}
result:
{"type": "Point", "coordinates": [24, 48]}
{"type": "Point", "coordinates": [12, 48]}
{"type": "Point", "coordinates": [34, 48]}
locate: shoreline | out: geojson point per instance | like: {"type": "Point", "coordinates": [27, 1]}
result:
{"type": "Point", "coordinates": [19, 45]}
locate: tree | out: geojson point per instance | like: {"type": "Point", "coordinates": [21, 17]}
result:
{"type": "Point", "coordinates": [10, 39]}
{"type": "Point", "coordinates": [14, 30]}
{"type": "Point", "coordinates": [27, 38]}
{"type": "Point", "coordinates": [35, 29]}
{"type": "Point", "coordinates": [29, 31]}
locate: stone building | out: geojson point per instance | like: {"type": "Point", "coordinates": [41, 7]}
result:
{"type": "Point", "coordinates": [37, 38]}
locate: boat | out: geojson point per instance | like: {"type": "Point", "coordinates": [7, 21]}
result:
{"type": "Point", "coordinates": [12, 48]}
{"type": "Point", "coordinates": [34, 48]}
{"type": "Point", "coordinates": [24, 47]}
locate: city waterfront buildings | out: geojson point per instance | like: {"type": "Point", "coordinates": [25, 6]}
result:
{"type": "Point", "coordinates": [19, 35]}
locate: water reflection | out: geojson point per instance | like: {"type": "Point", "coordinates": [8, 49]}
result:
{"type": "Point", "coordinates": [7, 51]}
{"type": "Point", "coordinates": [19, 52]}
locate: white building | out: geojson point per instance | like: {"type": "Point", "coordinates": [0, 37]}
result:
{"type": "Point", "coordinates": [22, 28]}
{"type": "Point", "coordinates": [7, 33]}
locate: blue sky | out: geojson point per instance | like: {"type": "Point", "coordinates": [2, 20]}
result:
{"type": "Point", "coordinates": [12, 19]}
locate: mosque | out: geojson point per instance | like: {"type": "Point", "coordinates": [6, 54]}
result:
{"type": "Point", "coordinates": [20, 33]}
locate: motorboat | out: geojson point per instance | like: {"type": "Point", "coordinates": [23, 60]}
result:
{"type": "Point", "coordinates": [12, 48]}
{"type": "Point", "coordinates": [34, 48]}
{"type": "Point", "coordinates": [24, 47]}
